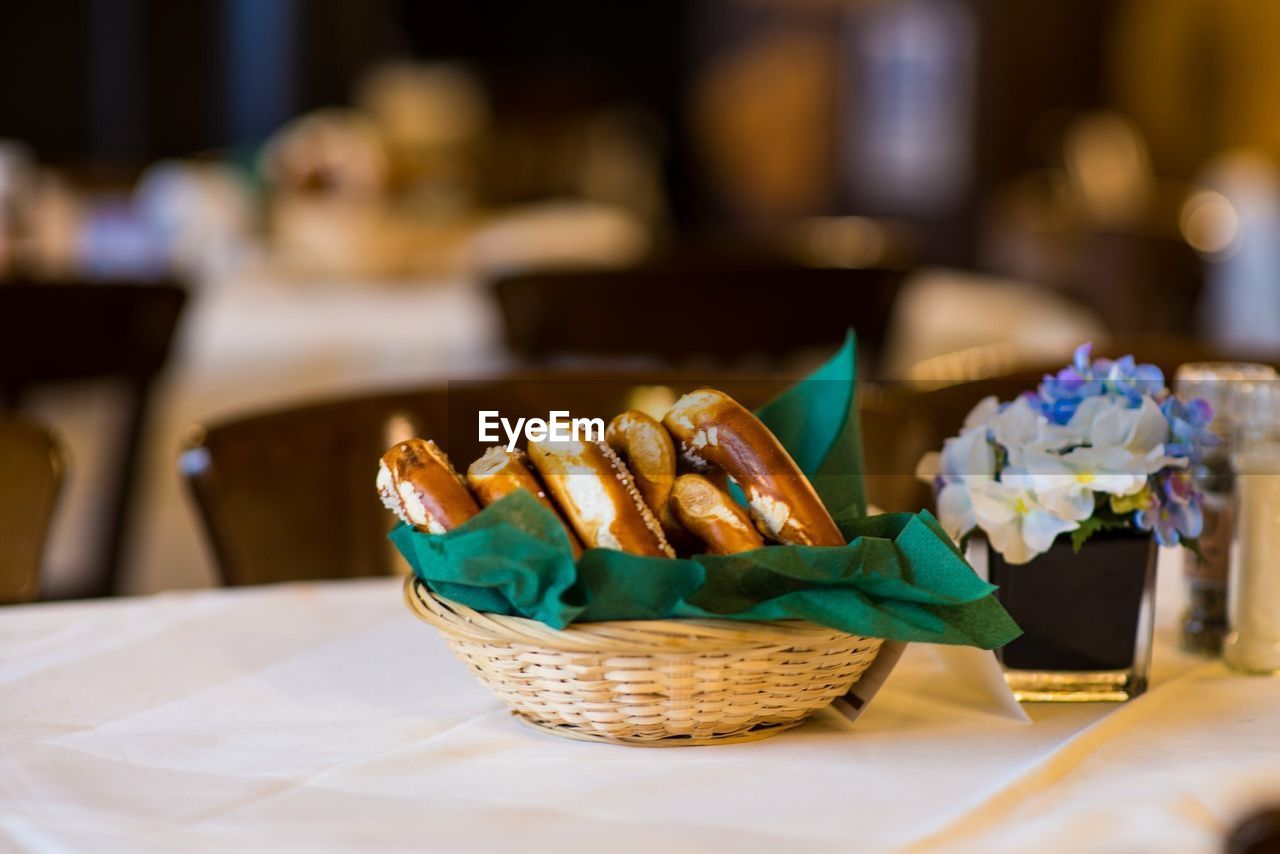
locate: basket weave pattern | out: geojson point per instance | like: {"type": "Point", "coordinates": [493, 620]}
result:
{"type": "Point", "coordinates": [652, 682]}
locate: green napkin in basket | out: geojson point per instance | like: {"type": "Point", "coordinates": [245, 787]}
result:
{"type": "Point", "coordinates": [900, 577]}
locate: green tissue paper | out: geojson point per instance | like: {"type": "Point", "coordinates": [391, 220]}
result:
{"type": "Point", "coordinates": [899, 577]}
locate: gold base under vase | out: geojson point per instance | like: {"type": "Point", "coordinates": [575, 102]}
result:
{"type": "Point", "coordinates": [1057, 686]}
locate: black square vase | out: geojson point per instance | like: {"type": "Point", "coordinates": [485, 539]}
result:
{"type": "Point", "coordinates": [1087, 618]}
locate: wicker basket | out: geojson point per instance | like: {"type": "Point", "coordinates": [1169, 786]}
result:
{"type": "Point", "coordinates": [657, 683]}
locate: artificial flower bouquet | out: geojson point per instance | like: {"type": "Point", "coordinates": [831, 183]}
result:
{"type": "Point", "coordinates": [1101, 445]}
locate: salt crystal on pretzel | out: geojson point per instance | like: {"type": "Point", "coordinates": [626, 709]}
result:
{"type": "Point", "coordinates": [650, 455]}
{"type": "Point", "coordinates": [595, 491]}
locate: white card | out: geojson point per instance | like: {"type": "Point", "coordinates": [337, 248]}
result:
{"type": "Point", "coordinates": [852, 704]}
{"type": "Point", "coordinates": [976, 676]}
{"type": "Point", "coordinates": [961, 676]}
{"type": "Point", "coordinates": [971, 677]}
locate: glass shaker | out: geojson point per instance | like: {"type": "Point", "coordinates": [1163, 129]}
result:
{"type": "Point", "coordinates": [1205, 621]}
{"type": "Point", "coordinates": [1253, 611]}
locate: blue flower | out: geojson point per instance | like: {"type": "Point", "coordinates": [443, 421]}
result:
{"type": "Point", "coordinates": [1189, 435]}
{"type": "Point", "coordinates": [1060, 395]}
{"type": "Point", "coordinates": [1130, 380]}
{"type": "Point", "coordinates": [1175, 511]}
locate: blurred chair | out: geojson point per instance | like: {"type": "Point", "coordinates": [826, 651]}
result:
{"type": "Point", "coordinates": [897, 431]}
{"type": "Point", "coordinates": [51, 334]}
{"type": "Point", "coordinates": [1138, 283]}
{"type": "Point", "coordinates": [31, 468]}
{"type": "Point", "coordinates": [682, 312]}
{"type": "Point", "coordinates": [1104, 228]}
{"type": "Point", "coordinates": [289, 495]}
{"type": "Point", "coordinates": [1138, 274]}
{"type": "Point", "coordinates": [941, 312]}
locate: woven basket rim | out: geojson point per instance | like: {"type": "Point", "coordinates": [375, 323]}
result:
{"type": "Point", "coordinates": [677, 635]}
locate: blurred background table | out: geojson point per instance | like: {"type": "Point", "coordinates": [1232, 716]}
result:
{"type": "Point", "coordinates": [260, 343]}
{"type": "Point", "coordinates": [323, 716]}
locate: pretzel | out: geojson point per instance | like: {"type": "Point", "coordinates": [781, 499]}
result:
{"type": "Point", "coordinates": [646, 447]}
{"type": "Point", "coordinates": [706, 511]}
{"type": "Point", "coordinates": [596, 494]}
{"type": "Point", "coordinates": [417, 482]}
{"type": "Point", "coordinates": [716, 430]}
{"type": "Point", "coordinates": [500, 472]}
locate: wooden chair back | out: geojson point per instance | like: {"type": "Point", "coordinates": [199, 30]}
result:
{"type": "Point", "coordinates": [31, 469]}
{"type": "Point", "coordinates": [709, 314]}
{"type": "Point", "coordinates": [52, 333]}
{"type": "Point", "coordinates": [897, 431]}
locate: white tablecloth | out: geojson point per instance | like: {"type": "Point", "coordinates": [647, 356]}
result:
{"type": "Point", "coordinates": [325, 716]}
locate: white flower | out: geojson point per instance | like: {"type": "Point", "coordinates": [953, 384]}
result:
{"type": "Point", "coordinates": [1022, 430]}
{"type": "Point", "coordinates": [1015, 520]}
{"type": "Point", "coordinates": [1115, 448]}
{"type": "Point", "coordinates": [1066, 484]}
{"type": "Point", "coordinates": [969, 454]}
{"type": "Point", "coordinates": [966, 455]}
{"type": "Point", "coordinates": [1120, 440]}
{"type": "Point", "coordinates": [983, 412]}
{"type": "Point", "coordinates": [1051, 474]}
{"type": "Point", "coordinates": [965, 459]}
{"type": "Point", "coordinates": [955, 509]}
{"type": "Point", "coordinates": [1023, 478]}
{"type": "Point", "coordinates": [1017, 525]}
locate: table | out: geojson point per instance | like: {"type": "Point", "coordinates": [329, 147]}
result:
{"type": "Point", "coordinates": [324, 716]}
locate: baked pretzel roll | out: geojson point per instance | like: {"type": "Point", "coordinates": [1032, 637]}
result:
{"type": "Point", "coordinates": [650, 455]}
{"type": "Point", "coordinates": [500, 472]}
{"type": "Point", "coordinates": [716, 430]}
{"type": "Point", "coordinates": [599, 498]}
{"type": "Point", "coordinates": [710, 514]}
{"type": "Point", "coordinates": [418, 484]}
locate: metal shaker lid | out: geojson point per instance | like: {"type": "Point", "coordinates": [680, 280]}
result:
{"type": "Point", "coordinates": [1213, 382]}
